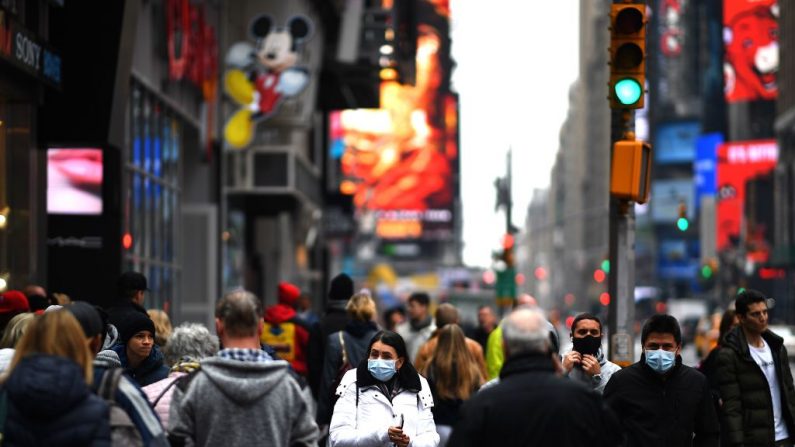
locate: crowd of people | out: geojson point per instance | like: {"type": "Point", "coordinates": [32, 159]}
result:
{"type": "Point", "coordinates": [75, 374]}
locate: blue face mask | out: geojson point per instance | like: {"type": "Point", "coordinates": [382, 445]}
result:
{"type": "Point", "coordinates": [660, 360]}
{"type": "Point", "coordinates": [381, 369]}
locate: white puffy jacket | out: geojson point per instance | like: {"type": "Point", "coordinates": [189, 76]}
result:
{"type": "Point", "coordinates": [366, 424]}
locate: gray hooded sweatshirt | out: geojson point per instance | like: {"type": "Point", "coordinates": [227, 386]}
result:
{"type": "Point", "coordinates": [236, 403]}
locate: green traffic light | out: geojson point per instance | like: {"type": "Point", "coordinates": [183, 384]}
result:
{"type": "Point", "coordinates": [682, 223]}
{"type": "Point", "coordinates": [628, 91]}
{"type": "Point", "coordinates": [706, 272]}
{"type": "Point", "coordinates": [606, 266]}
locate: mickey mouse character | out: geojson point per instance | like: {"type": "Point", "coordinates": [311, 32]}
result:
{"type": "Point", "coordinates": [264, 74]}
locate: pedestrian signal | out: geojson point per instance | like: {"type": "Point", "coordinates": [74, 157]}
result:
{"type": "Point", "coordinates": [630, 174]}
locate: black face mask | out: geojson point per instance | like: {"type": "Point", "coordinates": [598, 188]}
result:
{"type": "Point", "coordinates": [587, 345]}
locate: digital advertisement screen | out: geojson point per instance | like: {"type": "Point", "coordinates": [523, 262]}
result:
{"type": "Point", "coordinates": [74, 181]}
{"type": "Point", "coordinates": [750, 35]}
{"type": "Point", "coordinates": [398, 162]}
{"type": "Point", "coordinates": [739, 162]}
{"type": "Point", "coordinates": [667, 195]}
{"type": "Point", "coordinates": [676, 142]}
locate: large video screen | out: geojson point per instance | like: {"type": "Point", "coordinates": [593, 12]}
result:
{"type": "Point", "coordinates": [751, 44]}
{"type": "Point", "coordinates": [74, 181]}
{"type": "Point", "coordinates": [399, 162]}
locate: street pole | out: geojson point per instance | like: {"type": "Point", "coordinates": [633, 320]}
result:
{"type": "Point", "coordinates": [509, 187]}
{"type": "Point", "coordinates": [621, 280]}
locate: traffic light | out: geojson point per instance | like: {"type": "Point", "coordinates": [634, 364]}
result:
{"type": "Point", "coordinates": [630, 175]}
{"type": "Point", "coordinates": [627, 55]}
{"type": "Point", "coordinates": [707, 273]}
{"type": "Point", "coordinates": [682, 223]}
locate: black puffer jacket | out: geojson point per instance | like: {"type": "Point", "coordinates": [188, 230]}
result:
{"type": "Point", "coordinates": [49, 403]}
{"type": "Point", "coordinates": [655, 410]}
{"type": "Point", "coordinates": [747, 406]}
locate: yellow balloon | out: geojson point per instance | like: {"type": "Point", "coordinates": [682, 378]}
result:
{"type": "Point", "coordinates": [238, 86]}
{"type": "Point", "coordinates": [239, 129]}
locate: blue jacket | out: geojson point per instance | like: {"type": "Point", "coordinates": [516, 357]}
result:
{"type": "Point", "coordinates": [133, 401]}
{"type": "Point", "coordinates": [149, 371]}
{"type": "Point", "coordinates": [49, 403]}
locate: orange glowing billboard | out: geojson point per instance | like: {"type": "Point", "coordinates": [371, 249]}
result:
{"type": "Point", "coordinates": [399, 162]}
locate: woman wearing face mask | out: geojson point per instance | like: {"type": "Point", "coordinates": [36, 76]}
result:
{"type": "Point", "coordinates": [384, 401]}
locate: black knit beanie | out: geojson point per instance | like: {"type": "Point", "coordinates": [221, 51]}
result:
{"type": "Point", "coordinates": [134, 322]}
{"type": "Point", "coordinates": [341, 288]}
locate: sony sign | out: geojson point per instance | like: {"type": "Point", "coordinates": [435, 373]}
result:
{"type": "Point", "coordinates": [27, 51]}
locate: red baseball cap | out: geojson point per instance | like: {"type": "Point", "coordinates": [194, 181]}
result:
{"type": "Point", "coordinates": [13, 301]}
{"type": "Point", "coordinates": [288, 293]}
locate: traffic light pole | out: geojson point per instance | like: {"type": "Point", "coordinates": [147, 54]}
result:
{"type": "Point", "coordinates": [621, 280]}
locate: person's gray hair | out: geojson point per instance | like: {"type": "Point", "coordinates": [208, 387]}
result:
{"type": "Point", "coordinates": [190, 342]}
{"type": "Point", "coordinates": [525, 331]}
{"type": "Point", "coordinates": [241, 312]}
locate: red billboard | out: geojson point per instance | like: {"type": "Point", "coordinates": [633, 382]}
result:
{"type": "Point", "coordinates": [750, 36]}
{"type": "Point", "coordinates": [738, 163]}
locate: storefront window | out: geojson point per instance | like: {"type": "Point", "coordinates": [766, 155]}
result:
{"type": "Point", "coordinates": [153, 196]}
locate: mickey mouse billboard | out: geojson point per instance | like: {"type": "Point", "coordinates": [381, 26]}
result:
{"type": "Point", "coordinates": [750, 36]}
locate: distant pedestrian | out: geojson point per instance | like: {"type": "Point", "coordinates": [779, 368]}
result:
{"type": "Point", "coordinates": [393, 317]}
{"type": "Point", "coordinates": [240, 396]}
{"type": "Point", "coordinates": [353, 340]}
{"type": "Point", "coordinates": [335, 319]}
{"type": "Point", "coordinates": [755, 379]}
{"type": "Point", "coordinates": [189, 344]}
{"type": "Point", "coordinates": [287, 334]}
{"type": "Point", "coordinates": [12, 303]}
{"type": "Point", "coordinates": [14, 331]}
{"type": "Point", "coordinates": [487, 321]}
{"type": "Point", "coordinates": [659, 401]}
{"type": "Point", "coordinates": [420, 326]}
{"type": "Point", "coordinates": [531, 405]}
{"type": "Point", "coordinates": [137, 351]}
{"type": "Point", "coordinates": [49, 401]}
{"type": "Point", "coordinates": [384, 401]}
{"type": "Point", "coordinates": [586, 362]}
{"type": "Point", "coordinates": [305, 311]}
{"type": "Point", "coordinates": [447, 314]}
{"type": "Point", "coordinates": [163, 326]}
{"type": "Point", "coordinates": [709, 367]}
{"type": "Point", "coordinates": [131, 288]}
{"type": "Point", "coordinates": [453, 375]}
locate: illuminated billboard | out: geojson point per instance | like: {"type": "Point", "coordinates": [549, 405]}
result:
{"type": "Point", "coordinates": [738, 163]}
{"type": "Point", "coordinates": [74, 181]}
{"type": "Point", "coordinates": [751, 44]}
{"type": "Point", "coordinates": [399, 162]}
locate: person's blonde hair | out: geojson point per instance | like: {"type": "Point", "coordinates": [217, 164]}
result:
{"type": "Point", "coordinates": [453, 368]}
{"type": "Point", "coordinates": [15, 329]}
{"type": "Point", "coordinates": [361, 307]}
{"type": "Point", "coordinates": [56, 333]}
{"type": "Point", "coordinates": [162, 326]}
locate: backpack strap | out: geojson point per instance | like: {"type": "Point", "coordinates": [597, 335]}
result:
{"type": "Point", "coordinates": [163, 393]}
{"type": "Point", "coordinates": [342, 345]}
{"type": "Point", "coordinates": [110, 383]}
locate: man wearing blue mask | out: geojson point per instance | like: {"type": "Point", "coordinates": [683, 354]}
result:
{"type": "Point", "coordinates": [659, 401]}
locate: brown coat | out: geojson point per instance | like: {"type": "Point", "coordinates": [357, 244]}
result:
{"type": "Point", "coordinates": [426, 351]}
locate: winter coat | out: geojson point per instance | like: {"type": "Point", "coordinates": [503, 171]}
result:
{"type": "Point", "coordinates": [363, 413]}
{"type": "Point", "coordinates": [236, 403]}
{"type": "Point", "coordinates": [277, 318]}
{"type": "Point", "coordinates": [531, 405]}
{"type": "Point", "coordinates": [607, 369]}
{"type": "Point", "coordinates": [357, 336]}
{"type": "Point", "coordinates": [415, 335]}
{"type": "Point", "coordinates": [335, 320]}
{"type": "Point", "coordinates": [426, 351]}
{"type": "Point", "coordinates": [149, 371]}
{"type": "Point", "coordinates": [132, 400]}
{"type": "Point", "coordinates": [162, 389]}
{"type": "Point", "coordinates": [747, 405]}
{"type": "Point", "coordinates": [49, 403]}
{"type": "Point", "coordinates": [659, 410]}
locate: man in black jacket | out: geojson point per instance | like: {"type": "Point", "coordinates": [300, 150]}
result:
{"type": "Point", "coordinates": [659, 401]}
{"type": "Point", "coordinates": [131, 287]}
{"type": "Point", "coordinates": [755, 380]}
{"type": "Point", "coordinates": [531, 404]}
